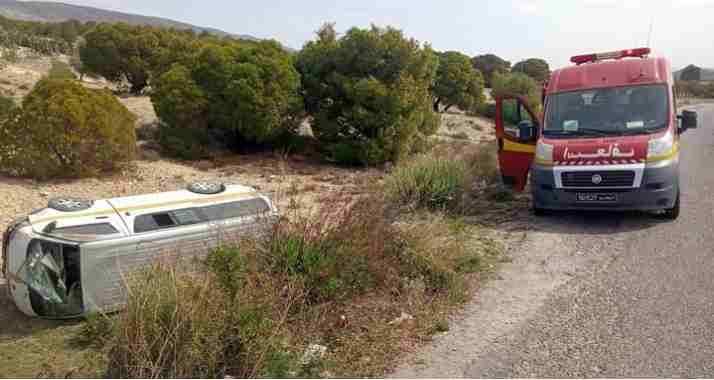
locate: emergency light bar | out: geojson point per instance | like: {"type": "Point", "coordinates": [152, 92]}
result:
{"type": "Point", "coordinates": [640, 53]}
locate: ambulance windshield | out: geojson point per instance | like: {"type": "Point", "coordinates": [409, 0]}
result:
{"type": "Point", "coordinates": [614, 111]}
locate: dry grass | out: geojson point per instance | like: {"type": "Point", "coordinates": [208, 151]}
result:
{"type": "Point", "coordinates": [334, 276]}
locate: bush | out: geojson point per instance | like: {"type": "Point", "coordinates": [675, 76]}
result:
{"type": "Point", "coordinates": [66, 130]}
{"type": "Point", "coordinates": [7, 106]}
{"type": "Point", "coordinates": [175, 326]}
{"type": "Point", "coordinates": [335, 254]}
{"type": "Point", "coordinates": [228, 265]}
{"type": "Point", "coordinates": [429, 182]}
{"type": "Point", "coordinates": [61, 70]}
{"type": "Point", "coordinates": [490, 64]}
{"type": "Point", "coordinates": [369, 93]}
{"type": "Point", "coordinates": [518, 84]}
{"type": "Point", "coordinates": [535, 68]}
{"type": "Point", "coordinates": [487, 110]}
{"type": "Point", "coordinates": [457, 83]}
{"type": "Point", "coordinates": [184, 143]}
{"type": "Point", "coordinates": [96, 330]}
{"type": "Point", "coordinates": [247, 92]}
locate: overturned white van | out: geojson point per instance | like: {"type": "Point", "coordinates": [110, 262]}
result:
{"type": "Point", "coordinates": [70, 259]}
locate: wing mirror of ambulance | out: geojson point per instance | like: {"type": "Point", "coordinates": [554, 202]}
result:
{"type": "Point", "coordinates": [687, 120]}
{"type": "Point", "coordinates": [526, 131]}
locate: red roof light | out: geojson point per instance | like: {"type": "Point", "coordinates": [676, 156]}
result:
{"type": "Point", "coordinates": [640, 53]}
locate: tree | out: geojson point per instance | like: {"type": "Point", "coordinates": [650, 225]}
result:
{"type": "Point", "coordinates": [248, 91]}
{"type": "Point", "coordinates": [66, 130]}
{"type": "Point", "coordinates": [368, 92]}
{"type": "Point", "coordinates": [120, 52]}
{"type": "Point", "coordinates": [457, 82]}
{"type": "Point", "coordinates": [535, 68]}
{"type": "Point", "coordinates": [517, 84]}
{"type": "Point", "coordinates": [488, 65]}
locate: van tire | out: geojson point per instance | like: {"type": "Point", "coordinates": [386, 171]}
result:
{"type": "Point", "coordinates": [69, 204]}
{"type": "Point", "coordinates": [206, 188]}
{"type": "Point", "coordinates": [672, 213]}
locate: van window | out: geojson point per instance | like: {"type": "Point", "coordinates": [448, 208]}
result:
{"type": "Point", "coordinates": [88, 229]}
{"type": "Point", "coordinates": [607, 111]}
{"type": "Point", "coordinates": [146, 223]}
{"type": "Point", "coordinates": [174, 218]}
{"type": "Point", "coordinates": [235, 209]}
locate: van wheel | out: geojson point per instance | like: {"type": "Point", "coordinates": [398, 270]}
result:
{"type": "Point", "coordinates": [672, 213]}
{"type": "Point", "coordinates": [206, 188]}
{"type": "Point", "coordinates": [69, 204]}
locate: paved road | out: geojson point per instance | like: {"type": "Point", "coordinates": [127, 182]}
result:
{"type": "Point", "coordinates": [647, 311]}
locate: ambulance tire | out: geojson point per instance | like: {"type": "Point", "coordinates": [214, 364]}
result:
{"type": "Point", "coordinates": [672, 213]}
{"type": "Point", "coordinates": [69, 204]}
{"type": "Point", "coordinates": [207, 188]}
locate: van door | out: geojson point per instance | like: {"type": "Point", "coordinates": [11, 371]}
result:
{"type": "Point", "coordinates": [517, 131]}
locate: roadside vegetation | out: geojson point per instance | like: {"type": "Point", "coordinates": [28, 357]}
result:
{"type": "Point", "coordinates": [338, 290]}
{"type": "Point", "coordinates": [328, 292]}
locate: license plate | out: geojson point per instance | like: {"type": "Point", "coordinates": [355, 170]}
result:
{"type": "Point", "coordinates": [596, 197]}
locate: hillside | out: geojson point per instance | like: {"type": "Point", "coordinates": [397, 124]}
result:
{"type": "Point", "coordinates": [58, 12]}
{"type": "Point", "coordinates": [702, 73]}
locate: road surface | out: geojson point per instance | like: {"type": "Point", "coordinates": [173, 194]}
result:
{"type": "Point", "coordinates": [598, 295]}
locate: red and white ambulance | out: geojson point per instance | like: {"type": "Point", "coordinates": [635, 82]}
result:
{"type": "Point", "coordinates": [607, 137]}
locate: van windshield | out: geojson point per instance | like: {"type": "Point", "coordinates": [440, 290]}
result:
{"type": "Point", "coordinates": [611, 111]}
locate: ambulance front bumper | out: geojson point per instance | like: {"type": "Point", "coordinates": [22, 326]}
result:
{"type": "Point", "coordinates": [657, 189]}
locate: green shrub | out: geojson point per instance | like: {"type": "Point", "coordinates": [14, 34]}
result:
{"type": "Point", "coordinates": [429, 182]}
{"type": "Point", "coordinates": [61, 70]}
{"type": "Point", "coordinates": [369, 93]}
{"type": "Point", "coordinates": [175, 326]}
{"type": "Point", "coordinates": [518, 84]}
{"type": "Point", "coordinates": [247, 92]}
{"type": "Point", "coordinates": [228, 266]}
{"type": "Point", "coordinates": [183, 143]}
{"type": "Point", "coordinates": [486, 110]}
{"type": "Point", "coordinates": [490, 64]}
{"type": "Point", "coordinates": [96, 330]}
{"type": "Point", "coordinates": [7, 106]}
{"type": "Point", "coordinates": [468, 264]}
{"type": "Point", "coordinates": [535, 68]}
{"type": "Point", "coordinates": [457, 83]}
{"type": "Point", "coordinates": [328, 268]}
{"type": "Point", "coordinates": [67, 130]}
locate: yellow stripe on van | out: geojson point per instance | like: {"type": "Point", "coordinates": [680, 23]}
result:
{"type": "Point", "coordinates": [108, 212]}
{"type": "Point", "coordinates": [518, 147]}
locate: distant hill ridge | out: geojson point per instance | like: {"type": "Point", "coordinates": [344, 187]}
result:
{"type": "Point", "coordinates": [693, 72]}
{"type": "Point", "coordinates": [57, 12]}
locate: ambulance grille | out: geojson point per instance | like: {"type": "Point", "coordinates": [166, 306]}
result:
{"type": "Point", "coordinates": [588, 179]}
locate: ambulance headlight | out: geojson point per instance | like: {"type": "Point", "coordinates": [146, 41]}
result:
{"type": "Point", "coordinates": [544, 153]}
{"type": "Point", "coordinates": [662, 148]}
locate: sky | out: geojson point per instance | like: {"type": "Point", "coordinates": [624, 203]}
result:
{"type": "Point", "coordinates": [682, 30]}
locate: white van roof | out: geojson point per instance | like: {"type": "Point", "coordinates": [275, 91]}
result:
{"type": "Point", "coordinates": [120, 212]}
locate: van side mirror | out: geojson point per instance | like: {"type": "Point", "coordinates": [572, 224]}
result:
{"type": "Point", "coordinates": [526, 131]}
{"type": "Point", "coordinates": [689, 120]}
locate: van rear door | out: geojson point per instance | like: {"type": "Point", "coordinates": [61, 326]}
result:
{"type": "Point", "coordinates": [516, 148]}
